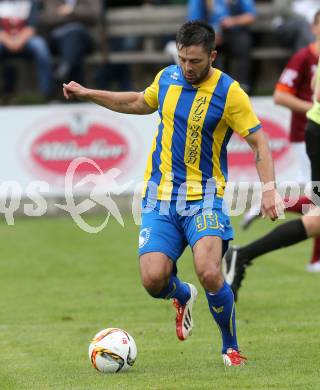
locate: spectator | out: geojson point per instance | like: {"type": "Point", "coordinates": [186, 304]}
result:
{"type": "Point", "coordinates": [120, 73]}
{"type": "Point", "coordinates": [231, 20]}
{"type": "Point", "coordinates": [69, 22]}
{"type": "Point", "coordinates": [293, 22]}
{"type": "Point", "coordinates": [18, 38]}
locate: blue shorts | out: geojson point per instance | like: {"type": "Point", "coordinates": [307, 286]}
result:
{"type": "Point", "coordinates": [167, 230]}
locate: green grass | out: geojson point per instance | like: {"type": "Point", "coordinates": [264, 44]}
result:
{"type": "Point", "coordinates": [59, 286]}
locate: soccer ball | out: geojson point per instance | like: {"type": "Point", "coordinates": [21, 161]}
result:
{"type": "Point", "coordinates": [112, 350]}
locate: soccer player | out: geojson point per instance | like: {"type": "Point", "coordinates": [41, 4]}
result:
{"type": "Point", "coordinates": [186, 174]}
{"type": "Point", "coordinates": [238, 258]}
{"type": "Point", "coordinates": [313, 136]}
{"type": "Point", "coordinates": [294, 91]}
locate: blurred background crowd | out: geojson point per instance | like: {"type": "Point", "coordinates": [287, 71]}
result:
{"type": "Point", "coordinates": [118, 44]}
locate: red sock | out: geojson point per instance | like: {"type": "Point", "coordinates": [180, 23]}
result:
{"type": "Point", "coordinates": [297, 207]}
{"type": "Point", "coordinates": [316, 250]}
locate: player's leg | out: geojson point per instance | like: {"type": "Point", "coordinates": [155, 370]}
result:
{"type": "Point", "coordinates": [159, 279]}
{"type": "Point", "coordinates": [205, 233]}
{"type": "Point", "coordinates": [311, 222]}
{"type": "Point", "coordinates": [238, 258]}
{"type": "Point", "coordinates": [303, 173]}
{"type": "Point", "coordinates": [207, 253]}
{"type": "Point", "coordinates": [312, 135]}
{"type": "Point", "coordinates": [252, 215]}
{"type": "Point", "coordinates": [297, 207]}
{"type": "Point", "coordinates": [314, 264]}
{"type": "Point", "coordinates": [303, 176]}
{"type": "Point", "coordinates": [160, 245]}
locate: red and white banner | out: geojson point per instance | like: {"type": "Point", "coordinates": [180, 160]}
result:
{"type": "Point", "coordinates": [275, 121]}
{"type": "Point", "coordinates": [38, 144]}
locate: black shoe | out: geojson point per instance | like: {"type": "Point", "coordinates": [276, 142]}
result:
{"type": "Point", "coordinates": [233, 269]}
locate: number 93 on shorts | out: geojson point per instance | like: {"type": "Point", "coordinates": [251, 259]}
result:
{"type": "Point", "coordinates": [166, 230]}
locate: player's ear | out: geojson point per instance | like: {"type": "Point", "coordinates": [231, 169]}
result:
{"type": "Point", "coordinates": [213, 56]}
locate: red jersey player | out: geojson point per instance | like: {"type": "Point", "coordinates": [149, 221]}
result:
{"type": "Point", "coordinates": [294, 91]}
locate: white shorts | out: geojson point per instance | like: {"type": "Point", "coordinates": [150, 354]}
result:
{"type": "Point", "coordinates": [304, 166]}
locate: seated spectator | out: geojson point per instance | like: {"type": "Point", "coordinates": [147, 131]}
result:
{"type": "Point", "coordinates": [18, 38]}
{"type": "Point", "coordinates": [118, 76]}
{"type": "Point", "coordinates": [68, 22]}
{"type": "Point", "coordinates": [231, 21]}
{"type": "Point", "coordinates": [293, 22]}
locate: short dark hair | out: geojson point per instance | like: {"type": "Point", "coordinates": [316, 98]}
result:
{"type": "Point", "coordinates": [316, 18]}
{"type": "Point", "coordinates": [196, 32]}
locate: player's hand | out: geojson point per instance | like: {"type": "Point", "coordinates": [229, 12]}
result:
{"type": "Point", "coordinates": [74, 90]}
{"type": "Point", "coordinates": [272, 205]}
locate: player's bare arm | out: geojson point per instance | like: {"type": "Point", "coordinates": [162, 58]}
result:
{"type": "Point", "coordinates": [124, 102]}
{"type": "Point", "coordinates": [292, 102]}
{"type": "Point", "coordinates": [271, 203]}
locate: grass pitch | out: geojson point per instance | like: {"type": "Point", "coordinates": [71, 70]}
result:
{"type": "Point", "coordinates": [59, 286]}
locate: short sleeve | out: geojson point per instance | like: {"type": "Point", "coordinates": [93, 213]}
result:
{"type": "Point", "coordinates": [289, 79]}
{"type": "Point", "coordinates": [239, 113]}
{"type": "Point", "coordinates": [151, 93]}
{"type": "Point", "coordinates": [196, 10]}
{"type": "Point", "coordinates": [248, 6]}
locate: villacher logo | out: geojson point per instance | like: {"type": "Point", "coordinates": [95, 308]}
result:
{"type": "Point", "coordinates": [58, 146]}
{"type": "Point", "coordinates": [241, 158]}
{"type": "Point", "coordinates": [58, 139]}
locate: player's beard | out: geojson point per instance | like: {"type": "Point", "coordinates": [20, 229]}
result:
{"type": "Point", "coordinates": [197, 79]}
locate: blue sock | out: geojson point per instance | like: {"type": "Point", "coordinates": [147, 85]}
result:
{"type": "Point", "coordinates": [175, 289]}
{"type": "Point", "coordinates": [222, 309]}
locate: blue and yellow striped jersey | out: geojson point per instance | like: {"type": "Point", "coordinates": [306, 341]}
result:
{"type": "Point", "coordinates": [189, 150]}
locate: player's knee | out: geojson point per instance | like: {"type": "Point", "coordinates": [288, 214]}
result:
{"type": "Point", "coordinates": [155, 272]}
{"type": "Point", "coordinates": [312, 224]}
{"type": "Point", "coordinates": [153, 282]}
{"type": "Point", "coordinates": [210, 278]}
